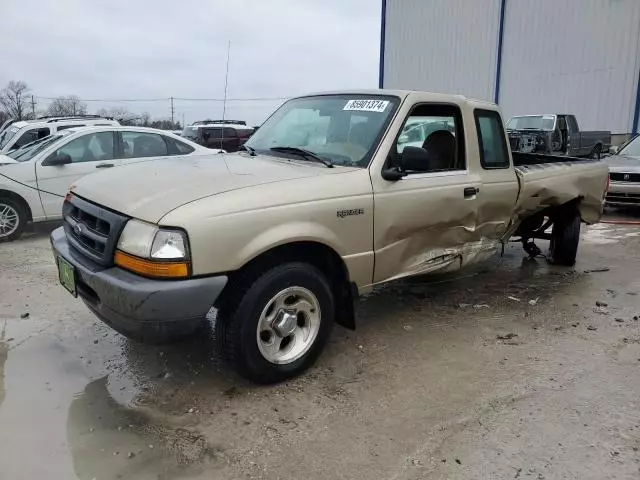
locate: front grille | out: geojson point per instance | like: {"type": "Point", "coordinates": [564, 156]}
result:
{"type": "Point", "coordinates": [630, 198]}
{"type": "Point", "coordinates": [92, 229]}
{"type": "Point", "coordinates": [624, 177]}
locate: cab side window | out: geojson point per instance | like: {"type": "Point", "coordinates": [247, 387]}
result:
{"type": "Point", "coordinates": [89, 148]}
{"type": "Point", "coordinates": [491, 138]}
{"type": "Point", "coordinates": [437, 130]}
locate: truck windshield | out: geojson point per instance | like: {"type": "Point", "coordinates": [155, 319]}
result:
{"type": "Point", "coordinates": [344, 129]}
{"type": "Point", "coordinates": [632, 148]}
{"type": "Point", "coordinates": [7, 135]}
{"type": "Point", "coordinates": [30, 150]}
{"type": "Point", "coordinates": [538, 122]}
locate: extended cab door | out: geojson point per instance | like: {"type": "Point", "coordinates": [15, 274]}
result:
{"type": "Point", "coordinates": [499, 190]}
{"type": "Point", "coordinates": [426, 220]}
{"type": "Point", "coordinates": [88, 153]}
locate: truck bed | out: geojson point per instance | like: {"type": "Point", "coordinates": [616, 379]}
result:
{"type": "Point", "coordinates": [550, 180]}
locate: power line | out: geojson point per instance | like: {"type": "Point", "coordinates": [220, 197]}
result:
{"type": "Point", "coordinates": [184, 99]}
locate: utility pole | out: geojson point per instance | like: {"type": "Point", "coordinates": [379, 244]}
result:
{"type": "Point", "coordinates": [183, 124]}
{"type": "Point", "coordinates": [33, 106]}
{"type": "Point", "coordinates": [172, 112]}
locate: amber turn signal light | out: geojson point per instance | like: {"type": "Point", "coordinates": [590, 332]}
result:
{"type": "Point", "coordinates": [149, 268]}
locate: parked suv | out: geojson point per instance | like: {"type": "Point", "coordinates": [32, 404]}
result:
{"type": "Point", "coordinates": [18, 134]}
{"type": "Point", "coordinates": [227, 135]}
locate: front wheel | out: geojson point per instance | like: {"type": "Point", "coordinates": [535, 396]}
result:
{"type": "Point", "coordinates": [565, 238]}
{"type": "Point", "coordinates": [277, 322]}
{"type": "Point", "coordinates": [12, 219]}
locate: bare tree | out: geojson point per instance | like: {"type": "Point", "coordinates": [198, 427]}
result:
{"type": "Point", "coordinates": [14, 101]}
{"type": "Point", "coordinates": [145, 119]}
{"type": "Point", "coordinates": [67, 106]}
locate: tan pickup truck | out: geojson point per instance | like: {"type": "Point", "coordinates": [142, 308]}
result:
{"type": "Point", "coordinates": [335, 193]}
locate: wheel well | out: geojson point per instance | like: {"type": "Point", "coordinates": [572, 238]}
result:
{"type": "Point", "coordinates": [19, 199]}
{"type": "Point", "coordinates": [532, 227]}
{"type": "Point", "coordinates": [317, 254]}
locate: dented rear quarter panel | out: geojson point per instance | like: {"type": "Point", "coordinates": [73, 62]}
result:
{"type": "Point", "coordinates": [553, 184]}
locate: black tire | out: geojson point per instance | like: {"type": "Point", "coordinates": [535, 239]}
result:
{"type": "Point", "coordinates": [596, 151]}
{"type": "Point", "coordinates": [565, 238]}
{"type": "Point", "coordinates": [22, 218]}
{"type": "Point", "coordinates": [237, 321]}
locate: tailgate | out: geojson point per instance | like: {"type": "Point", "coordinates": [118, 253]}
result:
{"type": "Point", "coordinates": [552, 184]}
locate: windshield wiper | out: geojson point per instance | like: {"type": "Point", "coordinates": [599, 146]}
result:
{"type": "Point", "coordinates": [251, 150]}
{"type": "Point", "coordinates": [306, 154]}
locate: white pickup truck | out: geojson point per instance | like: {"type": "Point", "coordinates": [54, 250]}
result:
{"type": "Point", "coordinates": [324, 202]}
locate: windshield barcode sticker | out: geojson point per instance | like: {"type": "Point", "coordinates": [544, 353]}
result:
{"type": "Point", "coordinates": [367, 105]}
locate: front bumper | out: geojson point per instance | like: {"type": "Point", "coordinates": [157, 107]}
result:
{"type": "Point", "coordinates": [623, 193]}
{"type": "Point", "coordinates": [147, 310]}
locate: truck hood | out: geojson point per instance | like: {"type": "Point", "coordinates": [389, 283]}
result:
{"type": "Point", "coordinates": [623, 164]}
{"type": "Point", "coordinates": [150, 190]}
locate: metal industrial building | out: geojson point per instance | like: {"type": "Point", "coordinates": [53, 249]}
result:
{"type": "Point", "coordinates": [542, 56]}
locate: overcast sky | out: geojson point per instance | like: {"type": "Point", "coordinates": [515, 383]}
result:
{"type": "Point", "coordinates": [162, 48]}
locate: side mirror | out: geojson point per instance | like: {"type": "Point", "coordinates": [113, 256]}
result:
{"type": "Point", "coordinates": [614, 149]}
{"type": "Point", "coordinates": [412, 159]}
{"type": "Point", "coordinates": [403, 138]}
{"type": "Point", "coordinates": [57, 160]}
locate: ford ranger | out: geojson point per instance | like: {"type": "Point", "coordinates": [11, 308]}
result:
{"type": "Point", "coordinates": [323, 202]}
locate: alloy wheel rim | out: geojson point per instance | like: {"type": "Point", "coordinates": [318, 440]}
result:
{"type": "Point", "coordinates": [9, 220]}
{"type": "Point", "coordinates": [288, 325]}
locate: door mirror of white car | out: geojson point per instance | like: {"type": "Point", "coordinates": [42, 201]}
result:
{"type": "Point", "coordinates": [57, 160]}
{"type": "Point", "coordinates": [403, 139]}
{"type": "Point", "coordinates": [614, 149]}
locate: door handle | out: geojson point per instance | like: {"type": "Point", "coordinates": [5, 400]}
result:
{"type": "Point", "coordinates": [470, 191]}
{"type": "Point", "coordinates": [104, 165]}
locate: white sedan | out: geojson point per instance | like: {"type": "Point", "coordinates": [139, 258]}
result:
{"type": "Point", "coordinates": [35, 178]}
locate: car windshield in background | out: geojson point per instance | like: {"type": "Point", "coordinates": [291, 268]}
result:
{"type": "Point", "coordinates": [632, 148]}
{"type": "Point", "coordinates": [30, 150]}
{"type": "Point", "coordinates": [539, 122]}
{"type": "Point", "coordinates": [7, 135]}
{"type": "Point", "coordinates": [343, 129]}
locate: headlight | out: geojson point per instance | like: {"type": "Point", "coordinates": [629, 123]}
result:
{"type": "Point", "coordinates": [153, 251]}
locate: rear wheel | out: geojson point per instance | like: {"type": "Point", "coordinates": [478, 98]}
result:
{"type": "Point", "coordinates": [13, 219]}
{"type": "Point", "coordinates": [565, 238]}
{"type": "Point", "coordinates": [277, 322]}
{"type": "Point", "coordinates": [596, 151]}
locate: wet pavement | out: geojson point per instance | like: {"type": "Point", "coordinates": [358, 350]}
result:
{"type": "Point", "coordinates": [507, 370]}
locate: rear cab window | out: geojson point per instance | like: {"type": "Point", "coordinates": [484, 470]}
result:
{"type": "Point", "coordinates": [491, 140]}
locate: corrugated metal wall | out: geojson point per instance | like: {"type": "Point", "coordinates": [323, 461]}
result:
{"type": "Point", "coordinates": [577, 56]}
{"type": "Point", "coordinates": [442, 46]}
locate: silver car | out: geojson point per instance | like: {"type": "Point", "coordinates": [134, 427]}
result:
{"type": "Point", "coordinates": [624, 172]}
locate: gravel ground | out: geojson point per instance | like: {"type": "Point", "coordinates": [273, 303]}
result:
{"type": "Point", "coordinates": [508, 370]}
